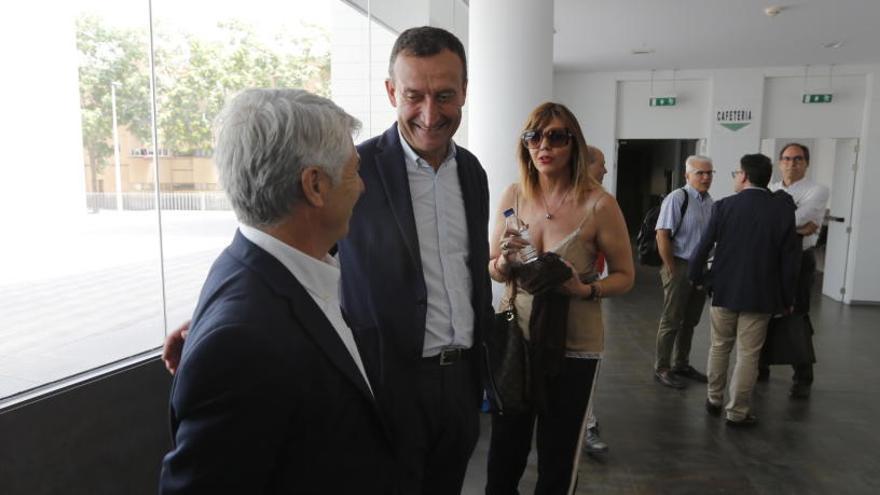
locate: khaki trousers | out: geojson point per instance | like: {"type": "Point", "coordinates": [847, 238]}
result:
{"type": "Point", "coordinates": [682, 308]}
{"type": "Point", "coordinates": [748, 331]}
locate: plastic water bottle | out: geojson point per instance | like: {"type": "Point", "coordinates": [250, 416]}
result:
{"type": "Point", "coordinates": [528, 253]}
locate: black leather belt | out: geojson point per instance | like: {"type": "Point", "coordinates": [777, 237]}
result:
{"type": "Point", "coordinates": [448, 356]}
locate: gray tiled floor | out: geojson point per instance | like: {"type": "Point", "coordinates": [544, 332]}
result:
{"type": "Point", "coordinates": [663, 442]}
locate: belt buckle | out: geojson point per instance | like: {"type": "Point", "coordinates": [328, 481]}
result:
{"type": "Point", "coordinates": [449, 356]}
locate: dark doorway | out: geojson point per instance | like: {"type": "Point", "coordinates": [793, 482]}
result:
{"type": "Point", "coordinates": [647, 170]}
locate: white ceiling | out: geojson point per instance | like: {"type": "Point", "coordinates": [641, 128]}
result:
{"type": "Point", "coordinates": [599, 35]}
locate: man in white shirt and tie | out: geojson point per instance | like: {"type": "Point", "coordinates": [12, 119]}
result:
{"type": "Point", "coordinates": [811, 199]}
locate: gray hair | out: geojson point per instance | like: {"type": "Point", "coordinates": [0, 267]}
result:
{"type": "Point", "coordinates": [264, 140]}
{"type": "Point", "coordinates": [689, 163]}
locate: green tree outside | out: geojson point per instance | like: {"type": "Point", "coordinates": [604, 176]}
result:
{"type": "Point", "coordinates": [110, 56]}
{"type": "Point", "coordinates": [194, 78]}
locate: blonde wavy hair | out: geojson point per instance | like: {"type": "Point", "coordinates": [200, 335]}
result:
{"type": "Point", "coordinates": [580, 155]}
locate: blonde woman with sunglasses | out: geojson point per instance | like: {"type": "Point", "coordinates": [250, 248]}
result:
{"type": "Point", "coordinates": [567, 213]}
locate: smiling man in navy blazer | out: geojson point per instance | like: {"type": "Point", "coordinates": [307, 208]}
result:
{"type": "Point", "coordinates": [414, 262]}
{"type": "Point", "coordinates": [272, 394]}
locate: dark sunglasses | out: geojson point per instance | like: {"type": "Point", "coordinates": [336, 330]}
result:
{"type": "Point", "coordinates": [555, 138]}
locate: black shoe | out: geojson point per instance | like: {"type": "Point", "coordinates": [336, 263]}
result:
{"type": "Point", "coordinates": [712, 409]}
{"type": "Point", "coordinates": [763, 375]}
{"type": "Point", "coordinates": [747, 422]}
{"type": "Point", "coordinates": [690, 372]}
{"type": "Point", "coordinates": [667, 378]}
{"type": "Point", "coordinates": [799, 391]}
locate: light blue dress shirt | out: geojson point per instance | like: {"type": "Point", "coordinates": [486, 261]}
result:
{"type": "Point", "coordinates": [441, 224]}
{"type": "Point", "coordinates": [696, 218]}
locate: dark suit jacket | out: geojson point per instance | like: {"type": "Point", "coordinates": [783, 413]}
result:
{"type": "Point", "coordinates": [267, 398]}
{"type": "Point", "coordinates": [382, 278]}
{"type": "Point", "coordinates": [757, 252]}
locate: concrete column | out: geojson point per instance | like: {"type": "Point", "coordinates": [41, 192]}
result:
{"type": "Point", "coordinates": [510, 72]}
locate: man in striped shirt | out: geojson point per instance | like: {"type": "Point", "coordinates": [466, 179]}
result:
{"type": "Point", "coordinates": [677, 239]}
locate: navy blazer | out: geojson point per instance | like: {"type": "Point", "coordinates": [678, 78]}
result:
{"type": "Point", "coordinates": [382, 279]}
{"type": "Point", "coordinates": [267, 399]}
{"type": "Point", "coordinates": [757, 252]}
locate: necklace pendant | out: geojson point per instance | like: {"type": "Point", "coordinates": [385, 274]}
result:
{"type": "Point", "coordinates": [549, 216]}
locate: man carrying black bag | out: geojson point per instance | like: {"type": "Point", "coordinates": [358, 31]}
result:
{"type": "Point", "coordinates": [810, 198]}
{"type": "Point", "coordinates": [752, 278]}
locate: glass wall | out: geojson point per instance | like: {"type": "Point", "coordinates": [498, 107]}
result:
{"type": "Point", "coordinates": [109, 202]}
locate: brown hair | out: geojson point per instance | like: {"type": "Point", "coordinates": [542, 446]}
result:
{"type": "Point", "coordinates": [803, 148]}
{"type": "Point", "coordinates": [580, 156]}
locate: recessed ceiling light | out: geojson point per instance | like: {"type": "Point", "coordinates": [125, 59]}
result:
{"type": "Point", "coordinates": [773, 10]}
{"type": "Point", "coordinates": [833, 44]}
{"type": "Point", "coordinates": [642, 51]}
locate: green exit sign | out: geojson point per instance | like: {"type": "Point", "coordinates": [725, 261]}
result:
{"type": "Point", "coordinates": [663, 101]}
{"type": "Point", "coordinates": [817, 98]}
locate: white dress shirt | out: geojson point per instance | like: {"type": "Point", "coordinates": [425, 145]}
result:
{"type": "Point", "coordinates": [319, 278]}
{"type": "Point", "coordinates": [811, 199]}
{"type": "Point", "coordinates": [441, 224]}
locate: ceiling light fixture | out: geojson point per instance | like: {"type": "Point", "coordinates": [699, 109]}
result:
{"type": "Point", "coordinates": [833, 44]}
{"type": "Point", "coordinates": [642, 51]}
{"type": "Point", "coordinates": [773, 10]}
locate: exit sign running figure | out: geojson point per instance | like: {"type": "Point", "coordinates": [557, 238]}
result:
{"type": "Point", "coordinates": [816, 98]}
{"type": "Point", "coordinates": [663, 101]}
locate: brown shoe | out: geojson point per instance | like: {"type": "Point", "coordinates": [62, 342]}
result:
{"type": "Point", "coordinates": [666, 378]}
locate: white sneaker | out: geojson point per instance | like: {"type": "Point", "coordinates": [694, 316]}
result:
{"type": "Point", "coordinates": [593, 444]}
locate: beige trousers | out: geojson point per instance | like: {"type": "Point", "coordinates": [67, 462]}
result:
{"type": "Point", "coordinates": [748, 331]}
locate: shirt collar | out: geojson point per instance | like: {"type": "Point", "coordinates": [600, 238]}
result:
{"type": "Point", "coordinates": [413, 158]}
{"type": "Point", "coordinates": [319, 277]}
{"type": "Point", "coordinates": [694, 193]}
{"type": "Point", "coordinates": [794, 185]}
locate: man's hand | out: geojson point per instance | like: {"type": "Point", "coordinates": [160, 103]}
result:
{"type": "Point", "coordinates": [808, 228]}
{"type": "Point", "coordinates": [173, 347]}
{"type": "Point", "coordinates": [664, 248]}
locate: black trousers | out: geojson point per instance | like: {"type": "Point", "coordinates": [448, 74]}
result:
{"type": "Point", "coordinates": [803, 373]}
{"type": "Point", "coordinates": [558, 436]}
{"type": "Point", "coordinates": [437, 426]}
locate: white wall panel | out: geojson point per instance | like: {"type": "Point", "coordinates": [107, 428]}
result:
{"type": "Point", "coordinates": [786, 117]}
{"type": "Point", "coordinates": [685, 120]}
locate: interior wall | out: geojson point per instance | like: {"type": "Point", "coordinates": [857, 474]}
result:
{"type": "Point", "coordinates": [397, 14]}
{"type": "Point", "coordinates": [785, 116]}
{"type": "Point", "coordinates": [594, 99]}
{"type": "Point", "coordinates": [638, 120]}
{"type": "Point", "coordinates": [863, 272]}
{"type": "Point", "coordinates": [106, 436]}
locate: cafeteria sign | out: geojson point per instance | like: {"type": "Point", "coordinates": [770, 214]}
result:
{"type": "Point", "coordinates": [734, 119]}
